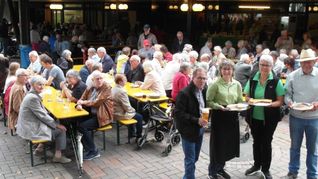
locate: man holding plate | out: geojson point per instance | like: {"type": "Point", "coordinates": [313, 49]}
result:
{"type": "Point", "coordinates": [301, 90]}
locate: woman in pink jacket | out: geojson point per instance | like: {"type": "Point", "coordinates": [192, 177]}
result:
{"type": "Point", "coordinates": [181, 79]}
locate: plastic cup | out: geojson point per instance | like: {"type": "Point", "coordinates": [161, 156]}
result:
{"type": "Point", "coordinates": [205, 114]}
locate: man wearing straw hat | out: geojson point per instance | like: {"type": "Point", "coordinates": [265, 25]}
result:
{"type": "Point", "coordinates": [301, 97]}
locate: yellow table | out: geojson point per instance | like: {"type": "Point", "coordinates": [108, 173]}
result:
{"type": "Point", "coordinates": [77, 67]}
{"type": "Point", "coordinates": [60, 108]}
{"type": "Point", "coordinates": [132, 91]}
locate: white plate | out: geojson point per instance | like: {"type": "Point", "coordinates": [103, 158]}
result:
{"type": "Point", "coordinates": [261, 104]}
{"type": "Point", "coordinates": [134, 85]}
{"type": "Point", "coordinates": [138, 95]}
{"type": "Point", "coordinates": [302, 106]}
{"type": "Point", "coordinates": [234, 107]}
{"type": "Point", "coordinates": [154, 95]}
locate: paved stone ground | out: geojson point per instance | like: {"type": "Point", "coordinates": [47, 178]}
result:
{"type": "Point", "coordinates": [123, 161]}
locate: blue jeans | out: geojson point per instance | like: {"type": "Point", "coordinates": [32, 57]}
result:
{"type": "Point", "coordinates": [297, 128]}
{"type": "Point", "coordinates": [136, 129]}
{"type": "Point", "coordinates": [191, 152]}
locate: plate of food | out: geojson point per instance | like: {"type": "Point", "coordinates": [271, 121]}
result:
{"type": "Point", "coordinates": [138, 95]}
{"type": "Point", "coordinates": [302, 106]}
{"type": "Point", "coordinates": [237, 107]}
{"type": "Point", "coordinates": [260, 102]}
{"type": "Point", "coordinates": [134, 85]}
{"type": "Point", "coordinates": [154, 95]}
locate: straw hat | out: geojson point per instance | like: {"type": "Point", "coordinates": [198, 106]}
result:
{"type": "Point", "coordinates": [307, 55]}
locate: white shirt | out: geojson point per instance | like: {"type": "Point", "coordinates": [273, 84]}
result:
{"type": "Point", "coordinates": [168, 74]}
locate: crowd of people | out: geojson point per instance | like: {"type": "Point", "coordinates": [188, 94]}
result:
{"type": "Point", "coordinates": [214, 77]}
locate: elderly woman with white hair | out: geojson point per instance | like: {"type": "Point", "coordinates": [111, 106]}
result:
{"type": "Point", "coordinates": [243, 69]}
{"type": "Point", "coordinates": [218, 55]}
{"type": "Point", "coordinates": [158, 62]}
{"type": "Point", "coordinates": [34, 122]}
{"type": "Point", "coordinates": [153, 80]}
{"type": "Point", "coordinates": [17, 93]}
{"type": "Point", "coordinates": [73, 87]}
{"type": "Point", "coordinates": [99, 102]}
{"type": "Point", "coordinates": [92, 55]}
{"type": "Point", "coordinates": [65, 62]}
{"type": "Point", "coordinates": [181, 79]}
{"type": "Point", "coordinates": [228, 50]}
{"type": "Point", "coordinates": [263, 120]}
{"type": "Point", "coordinates": [193, 55]}
{"type": "Point", "coordinates": [35, 64]}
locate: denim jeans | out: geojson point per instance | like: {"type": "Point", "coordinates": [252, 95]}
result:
{"type": "Point", "coordinates": [298, 127]}
{"type": "Point", "coordinates": [85, 127]}
{"type": "Point", "coordinates": [132, 129]}
{"type": "Point", "coordinates": [191, 152]}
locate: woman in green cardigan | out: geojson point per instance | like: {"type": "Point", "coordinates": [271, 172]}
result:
{"type": "Point", "coordinates": [225, 134]}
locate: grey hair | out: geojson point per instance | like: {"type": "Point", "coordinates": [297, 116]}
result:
{"type": "Point", "coordinates": [158, 55]}
{"type": "Point", "coordinates": [274, 53]}
{"type": "Point", "coordinates": [244, 57]}
{"type": "Point", "coordinates": [101, 49]}
{"type": "Point", "coordinates": [66, 53]}
{"type": "Point", "coordinates": [37, 80]}
{"type": "Point", "coordinates": [177, 57]}
{"type": "Point", "coordinates": [197, 70]}
{"type": "Point", "coordinates": [34, 53]}
{"type": "Point", "coordinates": [45, 38]}
{"type": "Point", "coordinates": [89, 62]}
{"type": "Point", "coordinates": [91, 50]}
{"type": "Point", "coordinates": [217, 48]}
{"type": "Point", "coordinates": [73, 73]}
{"type": "Point", "coordinates": [205, 55]}
{"type": "Point", "coordinates": [96, 66]}
{"type": "Point", "coordinates": [136, 58]}
{"type": "Point", "coordinates": [96, 74]}
{"type": "Point", "coordinates": [147, 66]}
{"type": "Point", "coordinates": [204, 65]}
{"type": "Point", "coordinates": [184, 66]}
{"type": "Point", "coordinates": [266, 58]}
{"type": "Point", "coordinates": [228, 42]}
{"type": "Point", "coordinates": [187, 47]}
{"type": "Point", "coordinates": [194, 54]}
{"type": "Point", "coordinates": [21, 71]}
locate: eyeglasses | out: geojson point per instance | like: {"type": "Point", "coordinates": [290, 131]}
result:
{"type": "Point", "coordinates": [264, 65]}
{"type": "Point", "coordinates": [202, 78]}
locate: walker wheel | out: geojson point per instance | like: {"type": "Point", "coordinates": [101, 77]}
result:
{"type": "Point", "coordinates": [159, 136]}
{"type": "Point", "coordinates": [175, 139]}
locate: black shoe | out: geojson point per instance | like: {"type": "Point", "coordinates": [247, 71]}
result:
{"type": "Point", "coordinates": [291, 175]}
{"type": "Point", "coordinates": [213, 177]}
{"type": "Point", "coordinates": [224, 174]}
{"type": "Point", "coordinates": [267, 174]}
{"type": "Point", "coordinates": [252, 170]}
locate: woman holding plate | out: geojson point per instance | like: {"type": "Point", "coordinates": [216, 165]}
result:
{"type": "Point", "coordinates": [263, 117]}
{"type": "Point", "coordinates": [225, 134]}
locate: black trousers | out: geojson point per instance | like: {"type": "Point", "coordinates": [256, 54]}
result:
{"type": "Point", "coordinates": [262, 145]}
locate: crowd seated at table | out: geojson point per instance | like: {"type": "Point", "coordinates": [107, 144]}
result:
{"type": "Point", "coordinates": [100, 86]}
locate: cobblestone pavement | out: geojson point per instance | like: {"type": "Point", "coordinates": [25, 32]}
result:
{"type": "Point", "coordinates": [124, 161]}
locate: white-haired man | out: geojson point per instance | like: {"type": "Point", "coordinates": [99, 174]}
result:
{"type": "Point", "coordinates": [86, 69]}
{"type": "Point", "coordinates": [136, 72]}
{"type": "Point", "coordinates": [35, 65]}
{"type": "Point", "coordinates": [105, 59]}
{"type": "Point", "coordinates": [44, 46]}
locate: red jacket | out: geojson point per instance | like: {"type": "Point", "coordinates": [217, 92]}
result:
{"type": "Point", "coordinates": [179, 82]}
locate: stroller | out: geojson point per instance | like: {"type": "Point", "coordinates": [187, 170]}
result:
{"type": "Point", "coordinates": [244, 129]}
{"type": "Point", "coordinates": [163, 125]}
